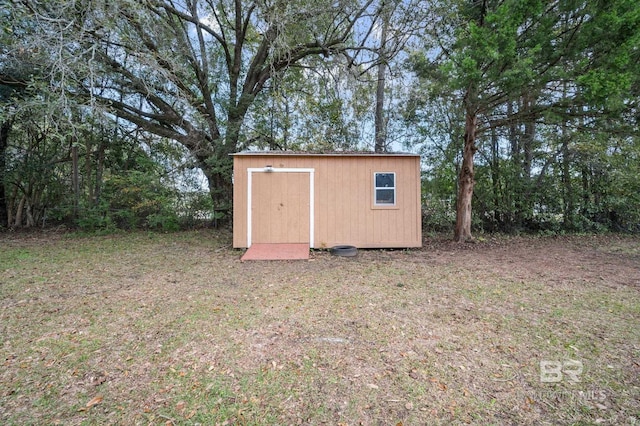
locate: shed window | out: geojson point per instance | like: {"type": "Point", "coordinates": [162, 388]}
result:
{"type": "Point", "coordinates": [385, 189]}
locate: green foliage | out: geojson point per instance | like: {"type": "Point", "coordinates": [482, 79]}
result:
{"type": "Point", "coordinates": [555, 87]}
{"type": "Point", "coordinates": [611, 67]}
{"type": "Point", "coordinates": [194, 208]}
{"type": "Point", "coordinates": [438, 215]}
{"type": "Point", "coordinates": [95, 217]}
{"type": "Point", "coordinates": [139, 200]}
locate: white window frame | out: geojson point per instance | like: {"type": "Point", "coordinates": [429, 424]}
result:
{"type": "Point", "coordinates": [376, 188]}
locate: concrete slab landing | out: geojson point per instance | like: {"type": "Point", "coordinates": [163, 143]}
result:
{"type": "Point", "coordinates": [288, 251]}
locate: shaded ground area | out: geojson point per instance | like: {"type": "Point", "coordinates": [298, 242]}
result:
{"type": "Point", "coordinates": [174, 329]}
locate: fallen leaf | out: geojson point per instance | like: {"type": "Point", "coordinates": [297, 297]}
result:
{"type": "Point", "coordinates": [373, 386]}
{"type": "Point", "coordinates": [94, 401]}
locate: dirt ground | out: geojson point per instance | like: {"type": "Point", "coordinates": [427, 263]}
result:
{"type": "Point", "coordinates": [613, 260]}
{"type": "Point", "coordinates": [174, 329]}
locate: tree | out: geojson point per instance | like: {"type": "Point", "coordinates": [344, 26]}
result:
{"type": "Point", "coordinates": [191, 71]}
{"type": "Point", "coordinates": [17, 69]}
{"type": "Point", "coordinates": [507, 63]}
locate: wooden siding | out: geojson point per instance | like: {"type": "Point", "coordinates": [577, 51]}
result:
{"type": "Point", "coordinates": [280, 208]}
{"type": "Point", "coordinates": [344, 211]}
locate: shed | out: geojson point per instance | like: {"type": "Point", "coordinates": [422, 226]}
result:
{"type": "Point", "coordinates": [365, 200]}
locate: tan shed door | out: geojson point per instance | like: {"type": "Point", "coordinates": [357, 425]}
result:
{"type": "Point", "coordinates": [280, 207]}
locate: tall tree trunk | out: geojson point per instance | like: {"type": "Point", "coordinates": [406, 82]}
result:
{"type": "Point", "coordinates": [4, 143]}
{"type": "Point", "coordinates": [20, 211]}
{"type": "Point", "coordinates": [587, 191]}
{"type": "Point", "coordinates": [513, 182]}
{"type": "Point", "coordinates": [217, 164]}
{"type": "Point", "coordinates": [498, 206]}
{"type": "Point", "coordinates": [99, 171]}
{"type": "Point", "coordinates": [466, 180]}
{"type": "Point", "coordinates": [568, 204]}
{"type": "Point", "coordinates": [75, 178]}
{"type": "Point", "coordinates": [87, 171]}
{"type": "Point", "coordinates": [218, 171]}
{"type": "Point", "coordinates": [525, 201]}
{"type": "Point", "coordinates": [381, 136]}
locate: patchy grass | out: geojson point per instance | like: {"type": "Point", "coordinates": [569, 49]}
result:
{"type": "Point", "coordinates": [173, 329]}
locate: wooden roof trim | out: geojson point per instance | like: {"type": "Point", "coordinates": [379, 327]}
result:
{"type": "Point", "coordinates": [323, 154]}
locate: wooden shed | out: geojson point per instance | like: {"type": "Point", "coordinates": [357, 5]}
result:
{"type": "Point", "coordinates": [361, 199]}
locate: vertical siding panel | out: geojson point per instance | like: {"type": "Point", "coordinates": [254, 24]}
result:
{"type": "Point", "coordinates": [408, 207]}
{"type": "Point", "coordinates": [341, 192]}
{"type": "Point", "coordinates": [333, 190]}
{"type": "Point", "coordinates": [394, 216]}
{"type": "Point", "coordinates": [343, 199]}
{"type": "Point", "coordinates": [375, 213]}
{"type": "Point", "coordinates": [402, 190]}
{"type": "Point", "coordinates": [406, 191]}
{"type": "Point", "coordinates": [373, 234]}
{"type": "Point", "coordinates": [417, 219]}
{"type": "Point", "coordinates": [321, 201]}
{"type": "Point", "coordinates": [411, 234]}
{"type": "Point", "coordinates": [361, 205]}
{"type": "Point", "coordinates": [344, 202]}
{"type": "Point", "coordinates": [407, 210]}
{"type": "Point", "coordinates": [375, 167]}
{"type": "Point", "coordinates": [348, 194]}
{"type": "Point", "coordinates": [301, 208]}
{"type": "Point", "coordinates": [352, 207]}
{"type": "Point", "coordinates": [239, 202]}
{"type": "Point", "coordinates": [336, 197]}
{"type": "Point", "coordinates": [324, 184]}
{"type": "Point", "coordinates": [312, 163]}
{"type": "Point", "coordinates": [318, 237]}
{"type": "Point", "coordinates": [305, 206]}
{"type": "Point", "coordinates": [319, 194]}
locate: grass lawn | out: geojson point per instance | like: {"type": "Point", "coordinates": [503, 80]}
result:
{"type": "Point", "coordinates": [172, 329]}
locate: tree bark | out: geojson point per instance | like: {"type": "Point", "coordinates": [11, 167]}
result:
{"type": "Point", "coordinates": [99, 171]}
{"type": "Point", "coordinates": [19, 212]}
{"type": "Point", "coordinates": [524, 201]}
{"type": "Point", "coordinates": [4, 143]}
{"type": "Point", "coordinates": [75, 179]}
{"type": "Point", "coordinates": [498, 205]}
{"type": "Point", "coordinates": [380, 131]}
{"type": "Point", "coordinates": [568, 204]}
{"type": "Point", "coordinates": [466, 180]}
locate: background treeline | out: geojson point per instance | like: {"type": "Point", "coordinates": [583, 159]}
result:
{"type": "Point", "coordinates": [99, 176]}
{"type": "Point", "coordinates": [123, 114]}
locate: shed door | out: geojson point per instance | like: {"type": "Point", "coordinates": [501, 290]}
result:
{"type": "Point", "coordinates": [280, 204]}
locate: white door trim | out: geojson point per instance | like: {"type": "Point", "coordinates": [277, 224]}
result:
{"type": "Point", "coordinates": [251, 170]}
